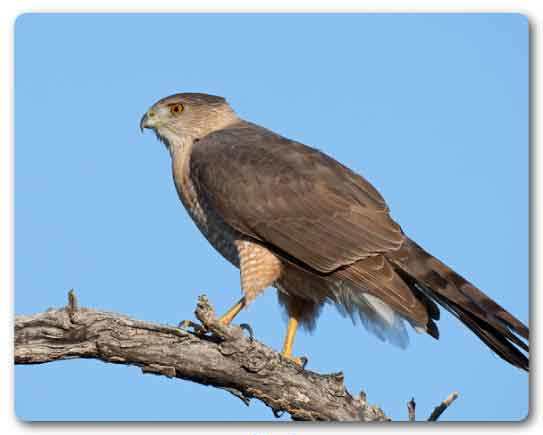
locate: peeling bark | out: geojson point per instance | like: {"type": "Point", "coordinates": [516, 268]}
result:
{"type": "Point", "coordinates": [217, 355]}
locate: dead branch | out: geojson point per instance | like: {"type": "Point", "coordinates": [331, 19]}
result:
{"type": "Point", "coordinates": [442, 407]}
{"type": "Point", "coordinates": [218, 355]}
{"type": "Point", "coordinates": [436, 413]}
{"type": "Point", "coordinates": [411, 409]}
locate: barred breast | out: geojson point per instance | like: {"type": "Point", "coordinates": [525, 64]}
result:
{"type": "Point", "coordinates": [221, 236]}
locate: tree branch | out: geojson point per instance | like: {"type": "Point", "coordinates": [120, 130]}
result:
{"type": "Point", "coordinates": [439, 409]}
{"type": "Point", "coordinates": [222, 357]}
{"type": "Point", "coordinates": [411, 409]}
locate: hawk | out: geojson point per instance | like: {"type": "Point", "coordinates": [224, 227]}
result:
{"type": "Point", "coordinates": [289, 216]}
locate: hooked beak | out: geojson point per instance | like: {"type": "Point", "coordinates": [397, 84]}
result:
{"type": "Point", "coordinates": [148, 120]}
{"type": "Point", "coordinates": [143, 122]}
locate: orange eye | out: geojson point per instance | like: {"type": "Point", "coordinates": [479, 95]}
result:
{"type": "Point", "coordinates": [176, 109]}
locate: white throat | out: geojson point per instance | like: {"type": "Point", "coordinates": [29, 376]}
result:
{"type": "Point", "coordinates": [179, 142]}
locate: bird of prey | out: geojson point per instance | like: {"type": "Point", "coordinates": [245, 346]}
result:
{"type": "Point", "coordinates": [291, 217]}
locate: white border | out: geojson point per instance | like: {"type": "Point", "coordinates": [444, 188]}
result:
{"type": "Point", "coordinates": [10, 9]}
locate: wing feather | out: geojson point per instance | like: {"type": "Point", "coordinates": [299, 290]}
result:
{"type": "Point", "coordinates": [292, 197]}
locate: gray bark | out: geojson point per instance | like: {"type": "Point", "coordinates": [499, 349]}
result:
{"type": "Point", "coordinates": [215, 354]}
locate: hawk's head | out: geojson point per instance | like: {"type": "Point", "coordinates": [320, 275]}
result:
{"type": "Point", "coordinates": [188, 116]}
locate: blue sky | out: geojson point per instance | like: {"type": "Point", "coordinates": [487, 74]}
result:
{"type": "Point", "coordinates": [432, 109]}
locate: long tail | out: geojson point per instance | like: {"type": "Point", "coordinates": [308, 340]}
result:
{"type": "Point", "coordinates": [493, 324]}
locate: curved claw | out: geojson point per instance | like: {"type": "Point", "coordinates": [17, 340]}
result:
{"type": "Point", "coordinates": [186, 324]}
{"type": "Point", "coordinates": [299, 361]}
{"type": "Point", "coordinates": [248, 328]}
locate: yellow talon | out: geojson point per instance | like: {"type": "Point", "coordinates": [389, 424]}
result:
{"type": "Point", "coordinates": [300, 361]}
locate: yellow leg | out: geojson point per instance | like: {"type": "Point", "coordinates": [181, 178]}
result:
{"type": "Point", "coordinates": [233, 312]}
{"type": "Point", "coordinates": [289, 338]}
{"type": "Point", "coordinates": [289, 341]}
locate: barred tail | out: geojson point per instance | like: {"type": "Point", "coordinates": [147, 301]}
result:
{"type": "Point", "coordinates": [493, 324]}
